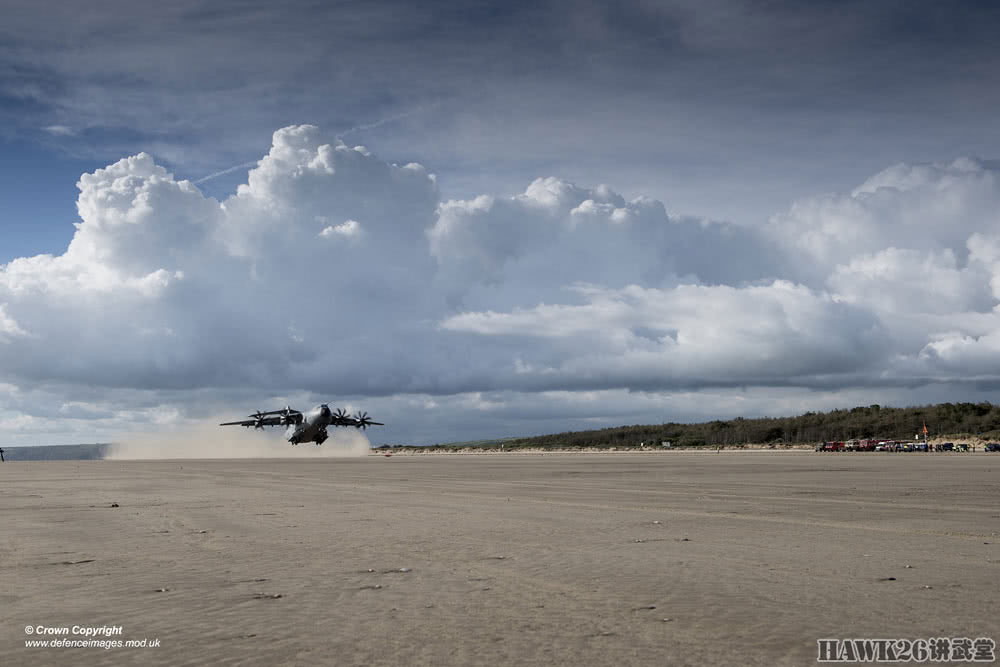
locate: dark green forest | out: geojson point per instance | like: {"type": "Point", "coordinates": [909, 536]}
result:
{"type": "Point", "coordinates": [873, 421]}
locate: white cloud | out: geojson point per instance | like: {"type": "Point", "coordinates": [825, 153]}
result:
{"type": "Point", "coordinates": [955, 356]}
{"type": "Point", "coordinates": [349, 230]}
{"type": "Point", "coordinates": [898, 281]}
{"type": "Point", "coordinates": [8, 326]}
{"type": "Point", "coordinates": [59, 130]}
{"type": "Point", "coordinates": [163, 287]}
{"type": "Point", "coordinates": [557, 233]}
{"type": "Point", "coordinates": [689, 335]}
{"type": "Point", "coordinates": [927, 207]}
{"type": "Point", "coordinates": [334, 273]}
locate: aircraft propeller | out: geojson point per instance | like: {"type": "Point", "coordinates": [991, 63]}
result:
{"type": "Point", "coordinates": [364, 421]}
{"type": "Point", "coordinates": [258, 418]}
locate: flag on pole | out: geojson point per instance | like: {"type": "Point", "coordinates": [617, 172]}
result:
{"type": "Point", "coordinates": [925, 428]}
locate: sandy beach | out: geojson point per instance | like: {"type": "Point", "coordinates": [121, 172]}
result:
{"type": "Point", "coordinates": [612, 559]}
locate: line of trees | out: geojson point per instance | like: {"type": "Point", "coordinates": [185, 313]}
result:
{"type": "Point", "coordinates": [873, 421]}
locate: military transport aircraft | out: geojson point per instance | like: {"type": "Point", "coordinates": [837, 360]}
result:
{"type": "Point", "coordinates": [306, 427]}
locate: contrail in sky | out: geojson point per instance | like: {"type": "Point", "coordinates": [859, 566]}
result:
{"type": "Point", "coordinates": [388, 119]}
{"type": "Point", "coordinates": [226, 171]}
{"type": "Point", "coordinates": [356, 128]}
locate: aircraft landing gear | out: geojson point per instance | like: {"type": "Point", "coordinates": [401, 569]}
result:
{"type": "Point", "coordinates": [321, 438]}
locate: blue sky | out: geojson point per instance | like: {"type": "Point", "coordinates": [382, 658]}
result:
{"type": "Point", "coordinates": [825, 168]}
{"type": "Point", "coordinates": [39, 194]}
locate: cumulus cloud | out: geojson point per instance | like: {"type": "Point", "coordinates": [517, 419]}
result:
{"type": "Point", "coordinates": [689, 335]}
{"type": "Point", "coordinates": [925, 207]}
{"type": "Point", "coordinates": [556, 233]}
{"type": "Point", "coordinates": [333, 273]}
{"type": "Point", "coordinates": [349, 229]}
{"type": "Point", "coordinates": [8, 327]}
{"type": "Point", "coordinates": [899, 282]}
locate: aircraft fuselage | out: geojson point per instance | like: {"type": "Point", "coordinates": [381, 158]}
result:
{"type": "Point", "coordinates": [312, 428]}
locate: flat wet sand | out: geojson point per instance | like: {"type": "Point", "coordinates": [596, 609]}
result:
{"type": "Point", "coordinates": [611, 559]}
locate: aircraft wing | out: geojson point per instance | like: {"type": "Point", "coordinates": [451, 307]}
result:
{"type": "Point", "coordinates": [270, 418]}
{"type": "Point", "coordinates": [351, 421]}
{"type": "Point", "coordinates": [337, 420]}
{"type": "Point", "coordinates": [283, 411]}
{"type": "Point", "coordinates": [360, 420]}
{"type": "Point", "coordinates": [265, 421]}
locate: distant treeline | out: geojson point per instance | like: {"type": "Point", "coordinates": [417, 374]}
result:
{"type": "Point", "coordinates": [873, 421]}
